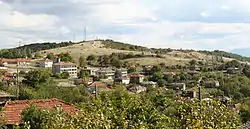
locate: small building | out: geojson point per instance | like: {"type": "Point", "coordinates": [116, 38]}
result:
{"type": "Point", "coordinates": [212, 84]}
{"type": "Point", "coordinates": [85, 80]}
{"type": "Point", "coordinates": [148, 70]}
{"type": "Point", "coordinates": [177, 86]}
{"type": "Point", "coordinates": [232, 70]}
{"type": "Point", "coordinates": [137, 89]}
{"type": "Point", "coordinates": [12, 110]}
{"type": "Point", "coordinates": [6, 97]}
{"type": "Point", "coordinates": [124, 80]}
{"type": "Point", "coordinates": [91, 70]}
{"type": "Point", "coordinates": [2, 66]}
{"type": "Point", "coordinates": [136, 78]}
{"type": "Point", "coordinates": [149, 83]}
{"type": "Point", "coordinates": [123, 71]}
{"type": "Point", "coordinates": [46, 63]}
{"type": "Point", "coordinates": [106, 72]}
{"type": "Point", "coordinates": [60, 67]}
{"type": "Point", "coordinates": [189, 94]}
{"type": "Point", "coordinates": [99, 85]}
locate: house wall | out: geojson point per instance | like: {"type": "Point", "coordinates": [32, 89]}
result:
{"type": "Point", "coordinates": [72, 70]}
{"type": "Point", "coordinates": [125, 81]}
{"type": "Point", "coordinates": [45, 64]}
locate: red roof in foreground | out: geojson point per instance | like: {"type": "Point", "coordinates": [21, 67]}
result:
{"type": "Point", "coordinates": [12, 110]}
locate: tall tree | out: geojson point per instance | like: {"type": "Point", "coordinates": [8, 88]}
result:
{"type": "Point", "coordinates": [82, 61]}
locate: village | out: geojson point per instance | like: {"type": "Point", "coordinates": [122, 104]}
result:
{"type": "Point", "coordinates": [104, 78]}
{"type": "Point", "coordinates": [25, 80]}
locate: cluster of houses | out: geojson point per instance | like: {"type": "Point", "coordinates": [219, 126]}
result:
{"type": "Point", "coordinates": [107, 75]}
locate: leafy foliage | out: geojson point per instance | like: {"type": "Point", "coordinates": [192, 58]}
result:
{"type": "Point", "coordinates": [35, 77]}
{"type": "Point", "coordinates": [119, 109]}
{"type": "Point", "coordinates": [27, 50]}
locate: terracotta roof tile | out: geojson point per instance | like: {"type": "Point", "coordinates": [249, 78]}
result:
{"type": "Point", "coordinates": [12, 110]}
{"type": "Point", "coordinates": [136, 75]}
{"type": "Point", "coordinates": [15, 60]}
{"type": "Point", "coordinates": [99, 84]}
{"type": "Point", "coordinates": [64, 64]}
{"type": "Point", "coordinates": [46, 60]}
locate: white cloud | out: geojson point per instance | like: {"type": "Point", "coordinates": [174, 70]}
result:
{"type": "Point", "coordinates": [205, 14]}
{"type": "Point", "coordinates": [64, 30]}
{"type": "Point", "coordinates": [166, 23]}
{"type": "Point", "coordinates": [225, 7]}
{"type": "Point", "coordinates": [14, 19]}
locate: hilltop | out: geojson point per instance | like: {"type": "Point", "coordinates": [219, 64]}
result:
{"type": "Point", "coordinates": [168, 56]}
{"type": "Point", "coordinates": [107, 47]}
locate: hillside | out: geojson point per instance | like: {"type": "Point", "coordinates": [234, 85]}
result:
{"type": "Point", "coordinates": [107, 47]}
{"type": "Point", "coordinates": [169, 56]}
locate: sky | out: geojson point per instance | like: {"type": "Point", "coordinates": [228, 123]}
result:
{"type": "Point", "coordinates": [187, 24]}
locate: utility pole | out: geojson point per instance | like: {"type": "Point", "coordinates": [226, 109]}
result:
{"type": "Point", "coordinates": [96, 94]}
{"type": "Point", "coordinates": [17, 75]}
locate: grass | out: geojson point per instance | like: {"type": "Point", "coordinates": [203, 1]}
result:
{"type": "Point", "coordinates": [97, 48]}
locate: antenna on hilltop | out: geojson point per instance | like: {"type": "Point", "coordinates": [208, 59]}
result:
{"type": "Point", "coordinates": [85, 33]}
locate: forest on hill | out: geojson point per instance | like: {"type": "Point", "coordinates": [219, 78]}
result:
{"type": "Point", "coordinates": [29, 50]}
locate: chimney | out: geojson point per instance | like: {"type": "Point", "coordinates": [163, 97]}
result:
{"type": "Point", "coordinates": [58, 60]}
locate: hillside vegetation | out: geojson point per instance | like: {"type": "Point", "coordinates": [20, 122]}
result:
{"type": "Point", "coordinates": [107, 47]}
{"type": "Point", "coordinates": [28, 50]}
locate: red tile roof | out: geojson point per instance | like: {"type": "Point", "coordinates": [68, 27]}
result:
{"type": "Point", "coordinates": [46, 60]}
{"type": "Point", "coordinates": [12, 110]}
{"type": "Point", "coordinates": [99, 84]}
{"type": "Point", "coordinates": [14, 60]}
{"type": "Point", "coordinates": [136, 75]}
{"type": "Point", "coordinates": [65, 64]}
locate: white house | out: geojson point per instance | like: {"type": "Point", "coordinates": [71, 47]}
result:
{"type": "Point", "coordinates": [46, 63]}
{"type": "Point", "coordinates": [125, 80]}
{"type": "Point", "coordinates": [60, 67]}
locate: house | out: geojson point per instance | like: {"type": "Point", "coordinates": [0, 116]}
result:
{"type": "Point", "coordinates": [2, 66]}
{"type": "Point", "coordinates": [189, 94]}
{"type": "Point", "coordinates": [19, 61]}
{"type": "Point", "coordinates": [124, 80]}
{"type": "Point", "coordinates": [11, 113]}
{"type": "Point", "coordinates": [60, 67]}
{"type": "Point", "coordinates": [232, 70]}
{"type": "Point", "coordinates": [123, 71]}
{"type": "Point", "coordinates": [91, 70]}
{"type": "Point", "coordinates": [5, 97]}
{"type": "Point", "coordinates": [177, 86]}
{"type": "Point", "coordinates": [46, 63]}
{"type": "Point", "coordinates": [99, 85]}
{"type": "Point", "coordinates": [137, 89]}
{"type": "Point", "coordinates": [85, 80]}
{"type": "Point", "coordinates": [106, 73]}
{"type": "Point", "coordinates": [147, 70]}
{"type": "Point", "coordinates": [136, 78]}
{"type": "Point", "coordinates": [212, 84]}
{"type": "Point", "coordinates": [149, 83]}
